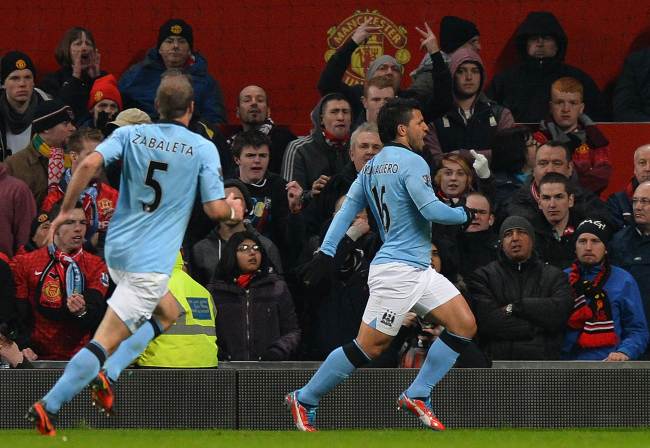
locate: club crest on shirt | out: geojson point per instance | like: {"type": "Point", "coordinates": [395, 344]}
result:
{"type": "Point", "coordinates": [372, 48]}
{"type": "Point", "coordinates": [427, 180]}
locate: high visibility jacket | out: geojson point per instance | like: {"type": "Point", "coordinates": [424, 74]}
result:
{"type": "Point", "coordinates": [191, 342]}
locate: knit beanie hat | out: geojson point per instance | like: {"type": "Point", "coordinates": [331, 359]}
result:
{"type": "Point", "coordinates": [104, 88]}
{"type": "Point", "coordinates": [517, 222]}
{"type": "Point", "coordinates": [455, 32]}
{"type": "Point", "coordinates": [241, 186]}
{"type": "Point", "coordinates": [50, 113]}
{"type": "Point", "coordinates": [596, 227]}
{"type": "Point", "coordinates": [385, 59]}
{"type": "Point", "coordinates": [15, 60]}
{"type": "Point", "coordinates": [176, 27]}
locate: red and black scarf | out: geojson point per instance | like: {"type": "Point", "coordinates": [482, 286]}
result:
{"type": "Point", "coordinates": [592, 312]}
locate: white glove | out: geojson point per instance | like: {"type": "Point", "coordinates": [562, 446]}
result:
{"type": "Point", "coordinates": [480, 165]}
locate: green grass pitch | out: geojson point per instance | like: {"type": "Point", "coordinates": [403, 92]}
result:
{"type": "Point", "coordinates": [461, 438]}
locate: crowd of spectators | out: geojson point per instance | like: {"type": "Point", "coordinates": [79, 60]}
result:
{"type": "Point", "coordinates": [550, 270]}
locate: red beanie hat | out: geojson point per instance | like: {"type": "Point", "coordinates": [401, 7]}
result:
{"type": "Point", "coordinates": [104, 88]}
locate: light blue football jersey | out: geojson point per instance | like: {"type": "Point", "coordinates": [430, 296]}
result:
{"type": "Point", "coordinates": [396, 185]}
{"type": "Point", "coordinates": [163, 166]}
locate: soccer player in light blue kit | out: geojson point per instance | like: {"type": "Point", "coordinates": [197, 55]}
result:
{"type": "Point", "coordinates": [396, 185]}
{"type": "Point", "coordinates": [163, 167]}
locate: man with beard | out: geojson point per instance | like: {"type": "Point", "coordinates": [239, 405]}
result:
{"type": "Point", "coordinates": [396, 186]}
{"type": "Point", "coordinates": [607, 322]}
{"type": "Point", "coordinates": [521, 304]}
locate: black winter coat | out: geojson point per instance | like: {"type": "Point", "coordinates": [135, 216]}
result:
{"type": "Point", "coordinates": [632, 93]}
{"type": "Point", "coordinates": [525, 89]}
{"type": "Point", "coordinates": [541, 301]}
{"type": "Point", "coordinates": [257, 323]}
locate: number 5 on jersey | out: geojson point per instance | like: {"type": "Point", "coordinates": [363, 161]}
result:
{"type": "Point", "coordinates": [153, 183]}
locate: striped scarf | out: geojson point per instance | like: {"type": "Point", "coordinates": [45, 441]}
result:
{"type": "Point", "coordinates": [592, 312]}
{"type": "Point", "coordinates": [55, 277]}
{"type": "Point", "coordinates": [57, 159]}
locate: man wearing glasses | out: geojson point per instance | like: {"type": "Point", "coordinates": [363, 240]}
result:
{"type": "Point", "coordinates": [630, 247]}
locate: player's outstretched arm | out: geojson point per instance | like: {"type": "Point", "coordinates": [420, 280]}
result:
{"type": "Point", "coordinates": [228, 209]}
{"type": "Point", "coordinates": [78, 183]}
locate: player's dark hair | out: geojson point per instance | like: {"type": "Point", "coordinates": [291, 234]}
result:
{"type": "Point", "coordinates": [253, 138]}
{"type": "Point", "coordinates": [396, 111]}
{"type": "Point", "coordinates": [510, 150]}
{"type": "Point", "coordinates": [228, 268]}
{"type": "Point", "coordinates": [174, 95]}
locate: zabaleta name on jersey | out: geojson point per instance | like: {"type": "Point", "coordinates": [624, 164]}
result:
{"type": "Point", "coordinates": [162, 145]}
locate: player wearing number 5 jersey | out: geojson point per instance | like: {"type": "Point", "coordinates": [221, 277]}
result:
{"type": "Point", "coordinates": [164, 165]}
{"type": "Point", "coordinates": [396, 185]}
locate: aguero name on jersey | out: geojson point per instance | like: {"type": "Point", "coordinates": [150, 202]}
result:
{"type": "Point", "coordinates": [396, 185]}
{"type": "Point", "coordinates": [163, 166]}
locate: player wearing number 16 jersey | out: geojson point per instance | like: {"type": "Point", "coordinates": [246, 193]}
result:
{"type": "Point", "coordinates": [164, 166]}
{"type": "Point", "coordinates": [396, 185]}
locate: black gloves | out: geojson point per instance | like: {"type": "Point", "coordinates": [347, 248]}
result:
{"type": "Point", "coordinates": [320, 268]}
{"type": "Point", "coordinates": [471, 213]}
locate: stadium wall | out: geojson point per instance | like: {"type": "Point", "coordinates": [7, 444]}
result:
{"type": "Point", "coordinates": [250, 396]}
{"type": "Point", "coordinates": [282, 45]}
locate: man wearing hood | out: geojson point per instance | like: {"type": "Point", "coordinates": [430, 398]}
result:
{"type": "Point", "coordinates": [474, 119]}
{"type": "Point", "coordinates": [568, 123]}
{"type": "Point", "coordinates": [175, 50]}
{"type": "Point", "coordinates": [525, 88]}
{"type": "Point", "coordinates": [312, 160]}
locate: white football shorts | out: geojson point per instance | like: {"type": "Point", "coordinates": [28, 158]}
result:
{"type": "Point", "coordinates": [397, 288]}
{"type": "Point", "coordinates": [136, 295]}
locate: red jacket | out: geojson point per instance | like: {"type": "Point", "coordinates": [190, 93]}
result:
{"type": "Point", "coordinates": [55, 333]}
{"type": "Point", "coordinates": [590, 152]}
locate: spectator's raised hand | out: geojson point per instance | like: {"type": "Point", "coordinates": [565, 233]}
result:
{"type": "Point", "coordinates": [428, 40]}
{"type": "Point", "coordinates": [363, 31]}
{"type": "Point", "coordinates": [480, 165]}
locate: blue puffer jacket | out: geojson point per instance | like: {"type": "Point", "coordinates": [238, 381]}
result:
{"type": "Point", "coordinates": [627, 313]}
{"type": "Point", "coordinates": [139, 83]}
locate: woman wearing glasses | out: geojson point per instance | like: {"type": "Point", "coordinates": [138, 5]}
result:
{"type": "Point", "coordinates": [256, 319]}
